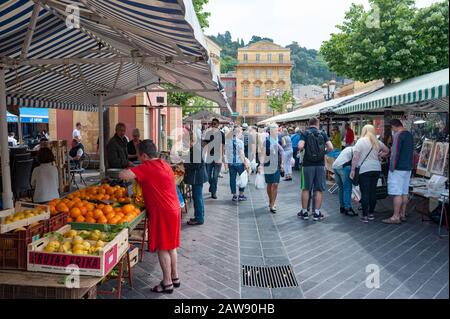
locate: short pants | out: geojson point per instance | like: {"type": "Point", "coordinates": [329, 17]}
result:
{"type": "Point", "coordinates": [313, 178]}
{"type": "Point", "coordinates": [398, 183]}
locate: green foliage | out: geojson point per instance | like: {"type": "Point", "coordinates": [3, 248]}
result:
{"type": "Point", "coordinates": [227, 64]}
{"type": "Point", "coordinates": [196, 104]}
{"type": "Point", "coordinates": [280, 103]}
{"type": "Point", "coordinates": [392, 40]}
{"type": "Point", "coordinates": [256, 38]}
{"type": "Point", "coordinates": [201, 15]}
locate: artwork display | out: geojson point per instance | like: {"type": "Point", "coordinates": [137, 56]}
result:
{"type": "Point", "coordinates": [439, 159]}
{"type": "Point", "coordinates": [425, 156]}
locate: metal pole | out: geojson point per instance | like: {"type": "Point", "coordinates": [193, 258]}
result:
{"type": "Point", "coordinates": [19, 127]}
{"type": "Point", "coordinates": [101, 142]}
{"type": "Point", "coordinates": [7, 195]}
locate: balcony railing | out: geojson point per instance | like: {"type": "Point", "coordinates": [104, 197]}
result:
{"type": "Point", "coordinates": [266, 62]}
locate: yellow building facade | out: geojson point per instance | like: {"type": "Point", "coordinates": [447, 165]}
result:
{"type": "Point", "coordinates": [262, 67]}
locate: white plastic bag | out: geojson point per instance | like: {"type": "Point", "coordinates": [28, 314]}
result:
{"type": "Point", "coordinates": [254, 165]}
{"type": "Point", "coordinates": [260, 182]}
{"type": "Point", "coordinates": [292, 162]}
{"type": "Point", "coordinates": [242, 180]}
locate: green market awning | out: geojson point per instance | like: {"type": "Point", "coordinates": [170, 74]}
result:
{"type": "Point", "coordinates": [427, 93]}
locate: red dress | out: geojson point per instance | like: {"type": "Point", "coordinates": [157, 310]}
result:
{"type": "Point", "coordinates": [161, 201]}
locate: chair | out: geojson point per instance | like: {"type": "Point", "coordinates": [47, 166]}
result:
{"type": "Point", "coordinates": [75, 168]}
{"type": "Point", "coordinates": [21, 177]}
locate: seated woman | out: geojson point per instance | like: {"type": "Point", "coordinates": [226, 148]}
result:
{"type": "Point", "coordinates": [163, 208]}
{"type": "Point", "coordinates": [44, 179]}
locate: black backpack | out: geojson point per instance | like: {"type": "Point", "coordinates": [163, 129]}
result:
{"type": "Point", "coordinates": [315, 148]}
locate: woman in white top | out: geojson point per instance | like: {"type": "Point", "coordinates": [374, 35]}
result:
{"type": "Point", "coordinates": [366, 155]}
{"type": "Point", "coordinates": [44, 179]}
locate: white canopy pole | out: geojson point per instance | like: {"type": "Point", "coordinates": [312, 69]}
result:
{"type": "Point", "coordinates": [7, 195]}
{"type": "Point", "coordinates": [101, 143]}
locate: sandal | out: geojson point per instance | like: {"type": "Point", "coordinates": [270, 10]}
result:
{"type": "Point", "coordinates": [176, 282]}
{"type": "Point", "coordinates": [163, 289]}
{"type": "Point", "coordinates": [194, 222]}
{"type": "Point", "coordinates": [392, 221]}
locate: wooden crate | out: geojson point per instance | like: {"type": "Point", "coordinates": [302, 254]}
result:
{"type": "Point", "coordinates": [88, 265]}
{"type": "Point", "coordinates": [22, 206]}
{"type": "Point", "coordinates": [60, 150]}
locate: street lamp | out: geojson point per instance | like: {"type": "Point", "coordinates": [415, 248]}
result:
{"type": "Point", "coordinates": [328, 90]}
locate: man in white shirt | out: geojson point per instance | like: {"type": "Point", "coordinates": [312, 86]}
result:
{"type": "Point", "coordinates": [76, 134]}
{"type": "Point", "coordinates": [11, 139]}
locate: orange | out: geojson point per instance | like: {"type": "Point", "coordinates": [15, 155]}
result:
{"type": "Point", "coordinates": [78, 204]}
{"type": "Point", "coordinates": [100, 206]}
{"type": "Point", "coordinates": [118, 194]}
{"type": "Point", "coordinates": [75, 212]}
{"type": "Point", "coordinates": [107, 209]}
{"type": "Point", "coordinates": [114, 220]}
{"type": "Point", "coordinates": [62, 208]}
{"type": "Point", "coordinates": [110, 191]}
{"type": "Point", "coordinates": [102, 191]}
{"type": "Point", "coordinates": [106, 197]}
{"type": "Point", "coordinates": [70, 196]}
{"type": "Point", "coordinates": [128, 209]}
{"type": "Point", "coordinates": [90, 207]}
{"type": "Point", "coordinates": [118, 210]}
{"type": "Point", "coordinates": [80, 219]}
{"type": "Point", "coordinates": [137, 211]}
{"type": "Point", "coordinates": [89, 214]}
{"type": "Point", "coordinates": [69, 219]}
{"type": "Point", "coordinates": [83, 210]}
{"type": "Point", "coordinates": [70, 204]}
{"type": "Point", "coordinates": [91, 220]}
{"type": "Point", "coordinates": [110, 215]}
{"type": "Point", "coordinates": [120, 215]}
{"type": "Point", "coordinates": [98, 213]}
{"type": "Point", "coordinates": [123, 220]}
{"type": "Point", "coordinates": [102, 220]}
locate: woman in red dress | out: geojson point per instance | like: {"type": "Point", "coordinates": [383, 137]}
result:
{"type": "Point", "coordinates": [163, 208]}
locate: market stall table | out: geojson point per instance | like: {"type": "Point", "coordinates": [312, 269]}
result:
{"type": "Point", "coordinates": [15, 284]}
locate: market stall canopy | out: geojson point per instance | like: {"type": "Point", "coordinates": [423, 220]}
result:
{"type": "Point", "coordinates": [206, 117]}
{"type": "Point", "coordinates": [311, 111]}
{"type": "Point", "coordinates": [119, 47]}
{"type": "Point", "coordinates": [426, 93]}
{"type": "Point", "coordinates": [29, 115]}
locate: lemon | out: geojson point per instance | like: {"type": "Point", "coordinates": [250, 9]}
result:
{"type": "Point", "coordinates": [49, 249]}
{"type": "Point", "coordinates": [67, 246]}
{"type": "Point", "coordinates": [100, 244]}
{"type": "Point", "coordinates": [55, 244]}
{"type": "Point", "coordinates": [71, 233]}
{"type": "Point", "coordinates": [86, 245]}
{"type": "Point", "coordinates": [77, 240]}
{"type": "Point", "coordinates": [78, 247]}
{"type": "Point", "coordinates": [94, 237]}
{"type": "Point", "coordinates": [78, 252]}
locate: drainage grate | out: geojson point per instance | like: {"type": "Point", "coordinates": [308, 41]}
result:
{"type": "Point", "coordinates": [268, 276]}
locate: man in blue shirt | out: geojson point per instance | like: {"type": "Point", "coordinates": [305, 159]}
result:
{"type": "Point", "coordinates": [401, 165]}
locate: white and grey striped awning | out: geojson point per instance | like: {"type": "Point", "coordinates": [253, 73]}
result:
{"type": "Point", "coordinates": [426, 93]}
{"type": "Point", "coordinates": [120, 46]}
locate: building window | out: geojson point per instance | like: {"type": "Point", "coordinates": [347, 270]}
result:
{"type": "Point", "coordinates": [257, 73]}
{"type": "Point", "coordinates": [258, 57]}
{"type": "Point", "coordinates": [245, 91]}
{"type": "Point", "coordinates": [269, 73]}
{"type": "Point", "coordinates": [269, 57]}
{"type": "Point", "coordinates": [281, 57]}
{"type": "Point", "coordinates": [281, 74]}
{"type": "Point", "coordinates": [245, 57]}
{"type": "Point", "coordinates": [257, 91]}
{"type": "Point", "coordinates": [257, 108]}
{"type": "Point", "coordinates": [245, 108]}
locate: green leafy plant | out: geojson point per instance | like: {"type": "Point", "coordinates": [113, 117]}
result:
{"type": "Point", "coordinates": [280, 102]}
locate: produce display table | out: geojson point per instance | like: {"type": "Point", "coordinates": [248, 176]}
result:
{"type": "Point", "coordinates": [16, 284]}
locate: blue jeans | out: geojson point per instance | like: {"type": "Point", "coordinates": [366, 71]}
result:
{"type": "Point", "coordinates": [213, 170]}
{"type": "Point", "coordinates": [345, 186]}
{"type": "Point", "coordinates": [235, 169]}
{"type": "Point", "coordinates": [199, 206]}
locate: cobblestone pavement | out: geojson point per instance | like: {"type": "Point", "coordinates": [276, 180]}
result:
{"type": "Point", "coordinates": [329, 258]}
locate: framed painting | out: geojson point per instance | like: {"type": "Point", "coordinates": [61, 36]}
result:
{"type": "Point", "coordinates": [439, 158]}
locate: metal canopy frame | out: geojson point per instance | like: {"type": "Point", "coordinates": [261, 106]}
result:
{"type": "Point", "coordinates": [147, 51]}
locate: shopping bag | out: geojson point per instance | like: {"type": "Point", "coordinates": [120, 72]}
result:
{"type": "Point", "coordinates": [180, 198]}
{"type": "Point", "coordinates": [254, 165]}
{"type": "Point", "coordinates": [292, 162]}
{"type": "Point", "coordinates": [242, 180]}
{"type": "Point", "coordinates": [356, 194]}
{"type": "Point", "coordinates": [260, 183]}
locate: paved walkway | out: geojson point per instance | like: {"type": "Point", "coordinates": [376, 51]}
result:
{"type": "Point", "coordinates": [329, 258]}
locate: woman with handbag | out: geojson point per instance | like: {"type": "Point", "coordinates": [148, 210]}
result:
{"type": "Point", "coordinates": [366, 169]}
{"type": "Point", "coordinates": [196, 175]}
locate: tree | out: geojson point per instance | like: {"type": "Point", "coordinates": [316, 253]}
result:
{"type": "Point", "coordinates": [392, 40]}
{"type": "Point", "coordinates": [280, 103]}
{"type": "Point", "coordinates": [201, 15]}
{"type": "Point", "coordinates": [256, 38]}
{"type": "Point", "coordinates": [196, 104]}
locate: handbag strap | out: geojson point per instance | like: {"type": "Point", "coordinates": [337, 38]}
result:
{"type": "Point", "coordinates": [366, 156]}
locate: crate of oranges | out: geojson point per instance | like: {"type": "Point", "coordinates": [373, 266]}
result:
{"type": "Point", "coordinates": [102, 193]}
{"type": "Point", "coordinates": [83, 214]}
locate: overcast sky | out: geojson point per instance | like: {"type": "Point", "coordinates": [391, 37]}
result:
{"type": "Point", "coordinates": [309, 22]}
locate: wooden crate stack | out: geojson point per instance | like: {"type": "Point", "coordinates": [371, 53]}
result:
{"type": "Point", "coordinates": [59, 149]}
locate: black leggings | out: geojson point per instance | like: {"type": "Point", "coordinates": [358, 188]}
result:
{"type": "Point", "coordinates": [368, 185]}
